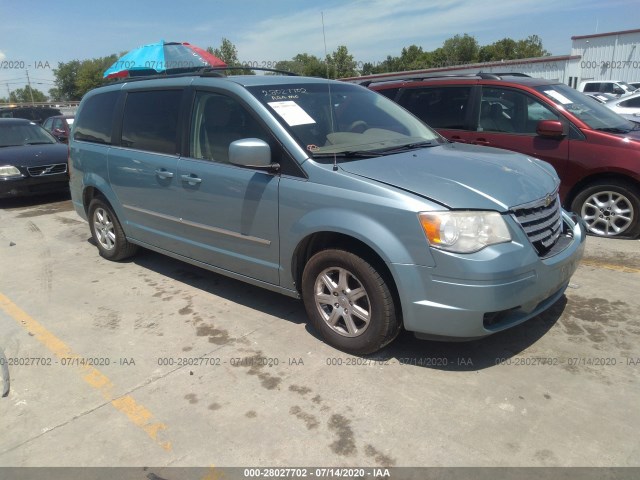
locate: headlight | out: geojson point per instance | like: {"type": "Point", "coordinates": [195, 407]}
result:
{"type": "Point", "coordinates": [464, 232]}
{"type": "Point", "coordinates": [9, 171]}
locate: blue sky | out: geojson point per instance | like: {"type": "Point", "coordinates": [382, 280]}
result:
{"type": "Point", "coordinates": [44, 33]}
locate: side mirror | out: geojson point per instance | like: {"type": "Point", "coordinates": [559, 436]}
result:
{"type": "Point", "coordinates": [251, 152]}
{"type": "Point", "coordinates": [550, 128]}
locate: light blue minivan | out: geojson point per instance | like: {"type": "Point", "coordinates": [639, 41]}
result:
{"type": "Point", "coordinates": [328, 192]}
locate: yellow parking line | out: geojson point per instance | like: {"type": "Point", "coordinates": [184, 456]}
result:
{"type": "Point", "coordinates": [136, 413]}
{"type": "Point", "coordinates": [609, 266]}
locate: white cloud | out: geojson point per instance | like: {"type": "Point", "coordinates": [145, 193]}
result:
{"type": "Point", "coordinates": [373, 29]}
{"type": "Point", "coordinates": [2, 55]}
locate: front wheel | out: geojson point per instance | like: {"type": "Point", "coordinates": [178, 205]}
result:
{"type": "Point", "coordinates": [609, 209]}
{"type": "Point", "coordinates": [107, 232]}
{"type": "Point", "coordinates": [349, 302]}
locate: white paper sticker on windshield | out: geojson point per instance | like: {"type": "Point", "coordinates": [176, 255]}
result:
{"type": "Point", "coordinates": [558, 96]}
{"type": "Point", "coordinates": [291, 113]}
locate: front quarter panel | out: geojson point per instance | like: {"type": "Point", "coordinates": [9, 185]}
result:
{"type": "Point", "coordinates": [385, 223]}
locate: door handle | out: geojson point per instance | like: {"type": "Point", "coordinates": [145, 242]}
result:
{"type": "Point", "coordinates": [458, 139]}
{"type": "Point", "coordinates": [162, 173]}
{"type": "Point", "coordinates": [191, 179]}
{"type": "Point", "coordinates": [481, 141]}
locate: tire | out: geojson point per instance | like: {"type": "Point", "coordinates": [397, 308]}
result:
{"type": "Point", "coordinates": [107, 232]}
{"type": "Point", "coordinates": [609, 209]}
{"type": "Point", "coordinates": [349, 302]}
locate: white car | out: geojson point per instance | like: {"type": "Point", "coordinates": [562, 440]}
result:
{"type": "Point", "coordinates": [616, 87]}
{"type": "Point", "coordinates": [601, 97]}
{"type": "Point", "coordinates": [627, 105]}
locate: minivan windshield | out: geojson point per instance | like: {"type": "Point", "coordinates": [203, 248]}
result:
{"type": "Point", "coordinates": [595, 115]}
{"type": "Point", "coordinates": [328, 119]}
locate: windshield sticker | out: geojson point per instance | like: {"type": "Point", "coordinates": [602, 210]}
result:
{"type": "Point", "coordinates": [284, 93]}
{"type": "Point", "coordinates": [292, 113]}
{"type": "Point", "coordinates": [558, 96]}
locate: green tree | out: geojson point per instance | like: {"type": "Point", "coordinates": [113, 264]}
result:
{"type": "Point", "coordinates": [24, 95]}
{"type": "Point", "coordinates": [505, 49]}
{"type": "Point", "coordinates": [389, 64]}
{"type": "Point", "coordinates": [531, 47]}
{"type": "Point", "coordinates": [457, 50]}
{"type": "Point", "coordinates": [414, 58]}
{"type": "Point", "coordinates": [65, 81]}
{"type": "Point", "coordinates": [341, 63]}
{"type": "Point", "coordinates": [509, 49]}
{"type": "Point", "coordinates": [304, 64]}
{"type": "Point", "coordinates": [228, 53]}
{"type": "Point", "coordinates": [90, 73]}
{"type": "Point", "coordinates": [75, 78]}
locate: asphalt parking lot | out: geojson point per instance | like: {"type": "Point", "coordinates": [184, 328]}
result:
{"type": "Point", "coordinates": [155, 362]}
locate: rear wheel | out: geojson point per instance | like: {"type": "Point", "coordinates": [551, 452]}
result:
{"type": "Point", "coordinates": [349, 302]}
{"type": "Point", "coordinates": [107, 232]}
{"type": "Point", "coordinates": [609, 209]}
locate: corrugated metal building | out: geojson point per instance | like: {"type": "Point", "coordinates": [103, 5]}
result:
{"type": "Point", "coordinates": [601, 56]}
{"type": "Point", "coordinates": [607, 56]}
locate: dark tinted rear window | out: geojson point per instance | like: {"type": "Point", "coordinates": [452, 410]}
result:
{"type": "Point", "coordinates": [95, 121]}
{"type": "Point", "coordinates": [631, 103]}
{"type": "Point", "coordinates": [151, 121]}
{"type": "Point", "coordinates": [438, 107]}
{"type": "Point", "coordinates": [389, 92]}
{"type": "Point", "coordinates": [37, 114]}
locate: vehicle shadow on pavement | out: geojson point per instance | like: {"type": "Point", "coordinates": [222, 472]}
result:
{"type": "Point", "coordinates": [476, 354]}
{"type": "Point", "coordinates": [33, 201]}
{"type": "Point", "coordinates": [406, 349]}
{"type": "Point", "coordinates": [236, 291]}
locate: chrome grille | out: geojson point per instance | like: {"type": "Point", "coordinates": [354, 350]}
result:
{"type": "Point", "coordinates": [542, 222]}
{"type": "Point", "coordinates": [47, 169]}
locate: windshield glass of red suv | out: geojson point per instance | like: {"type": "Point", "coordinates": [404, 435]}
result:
{"type": "Point", "coordinates": [596, 116]}
{"type": "Point", "coordinates": [342, 119]}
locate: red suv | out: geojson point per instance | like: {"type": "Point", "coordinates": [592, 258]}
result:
{"type": "Point", "coordinates": [595, 151]}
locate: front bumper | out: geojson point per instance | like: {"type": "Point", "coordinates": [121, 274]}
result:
{"type": "Point", "coordinates": [475, 295]}
{"type": "Point", "coordinates": [27, 185]}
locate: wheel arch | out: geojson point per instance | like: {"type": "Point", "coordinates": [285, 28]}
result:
{"type": "Point", "coordinates": [324, 240]}
{"type": "Point", "coordinates": [585, 182]}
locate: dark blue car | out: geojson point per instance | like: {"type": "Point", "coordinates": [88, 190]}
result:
{"type": "Point", "coordinates": [31, 160]}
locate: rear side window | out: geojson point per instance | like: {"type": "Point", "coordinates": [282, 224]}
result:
{"type": "Point", "coordinates": [150, 121]}
{"type": "Point", "coordinates": [389, 92]}
{"type": "Point", "coordinates": [95, 122]}
{"type": "Point", "coordinates": [438, 107]}
{"type": "Point", "coordinates": [592, 87]}
{"type": "Point", "coordinates": [633, 102]}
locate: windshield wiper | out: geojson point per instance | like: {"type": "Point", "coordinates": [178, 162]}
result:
{"type": "Point", "coordinates": [39, 143]}
{"type": "Point", "coordinates": [349, 154]}
{"type": "Point", "coordinates": [410, 146]}
{"type": "Point", "coordinates": [613, 130]}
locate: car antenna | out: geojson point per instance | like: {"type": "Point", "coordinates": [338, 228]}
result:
{"type": "Point", "coordinates": [324, 37]}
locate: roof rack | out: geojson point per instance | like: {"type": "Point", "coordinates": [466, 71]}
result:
{"type": "Point", "coordinates": [511, 74]}
{"type": "Point", "coordinates": [201, 72]}
{"type": "Point", "coordinates": [483, 75]}
{"type": "Point", "coordinates": [209, 70]}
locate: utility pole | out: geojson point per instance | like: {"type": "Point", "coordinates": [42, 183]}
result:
{"type": "Point", "coordinates": [9, 97]}
{"type": "Point", "coordinates": [30, 89]}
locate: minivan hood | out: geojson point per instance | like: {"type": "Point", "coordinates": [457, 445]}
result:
{"type": "Point", "coordinates": [462, 176]}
